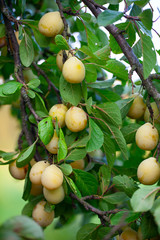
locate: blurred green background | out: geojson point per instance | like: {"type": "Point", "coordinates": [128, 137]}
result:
{"type": "Point", "coordinates": [11, 202]}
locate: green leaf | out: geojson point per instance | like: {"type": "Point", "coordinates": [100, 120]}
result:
{"type": "Point", "coordinates": [129, 34]}
{"type": "Point", "coordinates": [146, 18]}
{"type": "Point", "coordinates": [143, 199]}
{"type": "Point", "coordinates": [39, 104]}
{"type": "Point", "coordinates": [7, 155]}
{"type": "Point", "coordinates": [116, 198]}
{"type": "Point", "coordinates": [96, 137]}
{"type": "Point", "coordinates": [124, 106]}
{"type": "Point", "coordinates": [28, 207]}
{"type": "Point", "coordinates": [25, 227]}
{"type": "Point", "coordinates": [125, 184]}
{"type": "Point", "coordinates": [91, 73]}
{"type": "Point", "coordinates": [62, 146]}
{"type": "Point", "coordinates": [61, 42]}
{"type": "Point", "coordinates": [34, 83]}
{"type": "Point", "coordinates": [114, 131]}
{"type": "Point", "coordinates": [130, 217]}
{"type": "Point", "coordinates": [129, 132]}
{"type": "Point", "coordinates": [156, 213]}
{"type": "Point", "coordinates": [27, 186]}
{"type": "Point", "coordinates": [85, 232]}
{"type": "Point", "coordinates": [109, 149]}
{"type": "Point", "coordinates": [140, 3]}
{"type": "Point", "coordinates": [93, 41]}
{"type": "Point", "coordinates": [40, 38]}
{"type": "Point", "coordinates": [104, 176]}
{"type": "Point", "coordinates": [73, 187]}
{"type": "Point", "coordinates": [103, 53]}
{"type": "Point", "coordinates": [76, 154]}
{"type": "Point", "coordinates": [118, 136]}
{"type": "Point", "coordinates": [31, 94]}
{"type": "Point", "coordinates": [2, 30]}
{"type": "Point", "coordinates": [26, 51]}
{"type": "Point", "coordinates": [102, 84]}
{"type": "Point", "coordinates": [26, 155]}
{"type": "Point", "coordinates": [117, 68]}
{"type": "Point", "coordinates": [71, 93]}
{"type": "Point", "coordinates": [86, 182]}
{"type": "Point", "coordinates": [149, 226]}
{"type": "Point", "coordinates": [111, 113]}
{"type": "Point", "coordinates": [108, 17]}
{"type": "Point", "coordinates": [11, 87]}
{"type": "Point", "coordinates": [46, 130]}
{"type": "Point", "coordinates": [80, 143]}
{"type": "Point", "coordinates": [149, 55]}
{"type": "Point", "coordinates": [66, 169]}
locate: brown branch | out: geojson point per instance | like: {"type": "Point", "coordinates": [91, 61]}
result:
{"type": "Point", "coordinates": [129, 54]}
{"type": "Point", "coordinates": [63, 18]}
{"type": "Point", "coordinates": [18, 67]}
{"type": "Point", "coordinates": [20, 140]}
{"type": "Point", "coordinates": [50, 83]}
{"type": "Point", "coordinates": [89, 207]}
{"type": "Point", "coordinates": [130, 77]}
{"type": "Point", "coordinates": [150, 109]}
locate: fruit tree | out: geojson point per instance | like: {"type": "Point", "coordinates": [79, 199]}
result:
{"type": "Point", "coordinates": [83, 78]}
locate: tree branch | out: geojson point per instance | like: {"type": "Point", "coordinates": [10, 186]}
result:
{"type": "Point", "coordinates": [87, 206]}
{"type": "Point", "coordinates": [63, 18]}
{"type": "Point", "coordinates": [50, 83]}
{"type": "Point", "coordinates": [18, 67]}
{"type": "Point", "coordinates": [129, 54]}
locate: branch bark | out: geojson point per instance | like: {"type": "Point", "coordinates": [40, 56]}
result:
{"type": "Point", "coordinates": [129, 54]}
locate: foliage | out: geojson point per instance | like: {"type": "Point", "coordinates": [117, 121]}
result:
{"type": "Point", "coordinates": [108, 185]}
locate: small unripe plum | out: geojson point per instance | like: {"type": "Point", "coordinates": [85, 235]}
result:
{"type": "Point", "coordinates": [137, 108]}
{"type": "Point", "coordinates": [17, 173]}
{"type": "Point", "coordinates": [156, 113]}
{"type": "Point", "coordinates": [76, 119]}
{"type": "Point", "coordinates": [147, 137]}
{"type": "Point", "coordinates": [59, 58]}
{"type": "Point", "coordinates": [52, 146]}
{"type": "Point", "coordinates": [36, 189]}
{"type": "Point", "coordinates": [73, 70]}
{"type": "Point", "coordinates": [54, 196]}
{"type": "Point", "coordinates": [129, 234]}
{"type": "Point", "coordinates": [42, 217]}
{"type": "Point", "coordinates": [58, 111]}
{"type": "Point", "coordinates": [51, 24]}
{"type": "Point", "coordinates": [37, 170]}
{"type": "Point", "coordinates": [52, 177]}
{"type": "Point", "coordinates": [78, 164]}
{"type": "Point", "coordinates": [148, 171]}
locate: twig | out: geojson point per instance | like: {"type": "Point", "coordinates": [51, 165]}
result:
{"type": "Point", "coordinates": [96, 197]}
{"type": "Point", "coordinates": [130, 77]}
{"type": "Point", "coordinates": [150, 109]}
{"type": "Point", "coordinates": [50, 83]}
{"type": "Point", "coordinates": [129, 54]}
{"type": "Point", "coordinates": [126, 6]}
{"type": "Point", "coordinates": [63, 18]}
{"type": "Point", "coordinates": [17, 62]}
{"type": "Point", "coordinates": [20, 140]}
{"type": "Point", "coordinates": [87, 206]}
